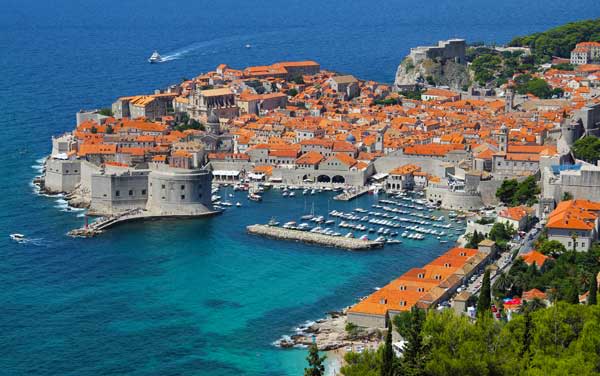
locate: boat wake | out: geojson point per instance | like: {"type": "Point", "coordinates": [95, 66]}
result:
{"type": "Point", "coordinates": [235, 41]}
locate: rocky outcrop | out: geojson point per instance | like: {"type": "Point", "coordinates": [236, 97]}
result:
{"type": "Point", "coordinates": [443, 73]}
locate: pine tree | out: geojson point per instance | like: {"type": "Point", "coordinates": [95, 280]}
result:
{"type": "Point", "coordinates": [315, 362]}
{"type": "Point", "coordinates": [485, 300]}
{"type": "Point", "coordinates": [527, 333]}
{"type": "Point", "coordinates": [413, 357]}
{"type": "Point", "coordinates": [592, 299]}
{"type": "Point", "coordinates": [572, 295]}
{"type": "Point", "coordinates": [387, 365]}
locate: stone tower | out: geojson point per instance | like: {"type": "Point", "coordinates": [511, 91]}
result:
{"type": "Point", "coordinates": [213, 126]}
{"type": "Point", "coordinates": [503, 139]}
{"type": "Point", "coordinates": [509, 100]}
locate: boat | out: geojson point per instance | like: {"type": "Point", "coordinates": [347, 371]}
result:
{"type": "Point", "coordinates": [273, 222]}
{"type": "Point", "coordinates": [380, 239]}
{"type": "Point", "coordinates": [17, 237]}
{"type": "Point", "coordinates": [393, 241]}
{"type": "Point", "coordinates": [252, 195]}
{"type": "Point", "coordinates": [349, 235]}
{"type": "Point", "coordinates": [312, 192]}
{"type": "Point", "coordinates": [364, 237]}
{"type": "Point", "coordinates": [285, 193]}
{"type": "Point", "coordinates": [238, 204]}
{"type": "Point", "coordinates": [155, 58]}
{"type": "Point", "coordinates": [291, 194]}
{"type": "Point", "coordinates": [248, 46]}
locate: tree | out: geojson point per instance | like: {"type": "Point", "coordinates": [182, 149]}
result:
{"type": "Point", "coordinates": [474, 239]}
{"type": "Point", "coordinates": [292, 92]}
{"type": "Point", "coordinates": [572, 296]}
{"type": "Point", "coordinates": [413, 360]}
{"type": "Point", "coordinates": [593, 294]}
{"type": "Point", "coordinates": [507, 190]}
{"type": "Point", "coordinates": [526, 193]}
{"type": "Point", "coordinates": [315, 362]}
{"type": "Point", "coordinates": [502, 285]}
{"type": "Point", "coordinates": [94, 130]}
{"type": "Point", "coordinates": [106, 111]}
{"type": "Point", "coordinates": [527, 333]}
{"type": "Point", "coordinates": [387, 365]}
{"type": "Point", "coordinates": [109, 129]}
{"type": "Point", "coordinates": [567, 196]}
{"type": "Point", "coordinates": [367, 363]}
{"type": "Point", "coordinates": [484, 304]}
{"type": "Point", "coordinates": [587, 148]}
{"type": "Point", "coordinates": [553, 248]}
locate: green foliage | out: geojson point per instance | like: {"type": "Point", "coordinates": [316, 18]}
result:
{"type": "Point", "coordinates": [94, 130]}
{"type": "Point", "coordinates": [388, 358]}
{"type": "Point", "coordinates": [107, 111]}
{"type": "Point", "coordinates": [552, 248]}
{"type": "Point", "coordinates": [416, 94]}
{"type": "Point", "coordinates": [485, 66]}
{"type": "Point", "coordinates": [315, 362]}
{"type": "Point", "coordinates": [513, 193]}
{"type": "Point", "coordinates": [593, 296]}
{"type": "Point", "coordinates": [564, 66]}
{"type": "Point", "coordinates": [501, 233]}
{"type": "Point", "coordinates": [368, 363]}
{"type": "Point", "coordinates": [484, 304]}
{"type": "Point", "coordinates": [474, 239]}
{"type": "Point", "coordinates": [559, 41]}
{"type": "Point", "coordinates": [292, 92]}
{"type": "Point", "coordinates": [387, 101]}
{"type": "Point", "coordinates": [109, 129]}
{"type": "Point", "coordinates": [430, 80]}
{"type": "Point", "coordinates": [352, 330]}
{"type": "Point", "coordinates": [187, 123]}
{"type": "Point", "coordinates": [507, 190]}
{"type": "Point", "coordinates": [559, 340]}
{"type": "Point", "coordinates": [415, 350]}
{"type": "Point", "coordinates": [562, 278]}
{"type": "Point", "coordinates": [526, 84]}
{"type": "Point", "coordinates": [567, 196]}
{"type": "Point", "coordinates": [587, 148]}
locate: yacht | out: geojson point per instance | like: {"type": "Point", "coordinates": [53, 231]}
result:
{"type": "Point", "coordinates": [155, 58]}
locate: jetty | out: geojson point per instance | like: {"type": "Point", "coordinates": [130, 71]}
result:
{"type": "Point", "coordinates": [98, 226]}
{"type": "Point", "coordinates": [351, 194]}
{"type": "Point", "coordinates": [312, 238]}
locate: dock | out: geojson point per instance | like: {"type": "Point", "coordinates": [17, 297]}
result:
{"type": "Point", "coordinates": [351, 194]}
{"type": "Point", "coordinates": [312, 238]}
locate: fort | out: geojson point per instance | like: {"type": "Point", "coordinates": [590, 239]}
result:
{"type": "Point", "coordinates": [451, 49]}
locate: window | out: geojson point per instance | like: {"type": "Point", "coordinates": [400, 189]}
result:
{"type": "Point", "coordinates": [402, 288]}
{"type": "Point", "coordinates": [117, 193]}
{"type": "Point", "coordinates": [199, 195]}
{"type": "Point", "coordinates": [66, 171]}
{"type": "Point", "coordinates": [163, 186]}
{"type": "Point", "coordinates": [182, 187]}
{"type": "Point", "coordinates": [131, 192]}
{"type": "Point", "coordinates": [421, 275]}
{"type": "Point", "coordinates": [143, 192]}
{"type": "Point", "coordinates": [421, 289]}
{"type": "Point", "coordinates": [183, 197]}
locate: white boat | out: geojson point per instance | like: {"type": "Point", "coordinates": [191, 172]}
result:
{"type": "Point", "coordinates": [17, 237]}
{"type": "Point", "coordinates": [273, 222]}
{"type": "Point", "coordinates": [248, 46]}
{"type": "Point", "coordinates": [380, 239]}
{"type": "Point", "coordinates": [349, 235]}
{"type": "Point", "coordinates": [364, 237]}
{"type": "Point", "coordinates": [292, 194]}
{"type": "Point", "coordinates": [238, 204]}
{"type": "Point", "coordinates": [312, 192]}
{"type": "Point", "coordinates": [155, 58]}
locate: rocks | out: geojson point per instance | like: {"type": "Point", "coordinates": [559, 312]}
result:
{"type": "Point", "coordinates": [446, 73]}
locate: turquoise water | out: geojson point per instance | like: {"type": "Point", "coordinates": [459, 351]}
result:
{"type": "Point", "coordinates": [197, 296]}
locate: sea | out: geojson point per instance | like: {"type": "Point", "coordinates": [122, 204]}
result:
{"type": "Point", "coordinates": [191, 297]}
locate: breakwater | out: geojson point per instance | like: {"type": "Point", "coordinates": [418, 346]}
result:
{"type": "Point", "coordinates": [313, 238]}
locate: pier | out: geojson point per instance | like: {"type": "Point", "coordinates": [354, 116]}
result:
{"type": "Point", "coordinates": [313, 238]}
{"type": "Point", "coordinates": [351, 194]}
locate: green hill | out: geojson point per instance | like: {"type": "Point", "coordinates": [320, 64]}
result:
{"type": "Point", "coordinates": [559, 41]}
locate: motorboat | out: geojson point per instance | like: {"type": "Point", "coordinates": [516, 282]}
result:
{"type": "Point", "coordinates": [155, 58]}
{"type": "Point", "coordinates": [254, 197]}
{"type": "Point", "coordinates": [380, 239]}
{"type": "Point", "coordinates": [273, 222]}
{"type": "Point", "coordinates": [17, 237]}
{"type": "Point", "coordinates": [238, 204]}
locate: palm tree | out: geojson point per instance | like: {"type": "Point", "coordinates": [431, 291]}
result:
{"type": "Point", "coordinates": [574, 238]}
{"type": "Point", "coordinates": [503, 283]}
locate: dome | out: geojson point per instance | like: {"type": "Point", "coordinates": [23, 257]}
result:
{"type": "Point", "coordinates": [351, 138]}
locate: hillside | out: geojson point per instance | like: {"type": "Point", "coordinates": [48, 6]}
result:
{"type": "Point", "coordinates": [559, 41]}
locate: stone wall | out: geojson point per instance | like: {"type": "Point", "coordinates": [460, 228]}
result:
{"type": "Point", "coordinates": [454, 200]}
{"type": "Point", "coordinates": [179, 192]}
{"type": "Point", "coordinates": [62, 175]}
{"type": "Point", "coordinates": [113, 193]}
{"type": "Point", "coordinates": [366, 320]}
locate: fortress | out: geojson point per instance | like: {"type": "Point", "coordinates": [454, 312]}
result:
{"type": "Point", "coordinates": [451, 49]}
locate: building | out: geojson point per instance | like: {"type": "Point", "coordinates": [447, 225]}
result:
{"type": "Point", "coordinates": [586, 53]}
{"type": "Point", "coordinates": [452, 49]}
{"type": "Point", "coordinates": [220, 101]}
{"type": "Point", "coordinates": [574, 223]}
{"type": "Point", "coordinates": [423, 287]}
{"type": "Point", "coordinates": [516, 217]}
{"type": "Point", "coordinates": [346, 85]}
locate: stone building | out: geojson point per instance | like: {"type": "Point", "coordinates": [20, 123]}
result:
{"type": "Point", "coordinates": [452, 49]}
{"type": "Point", "coordinates": [586, 53]}
{"type": "Point", "coordinates": [220, 101]}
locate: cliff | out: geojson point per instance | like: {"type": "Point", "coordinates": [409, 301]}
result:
{"type": "Point", "coordinates": [444, 73]}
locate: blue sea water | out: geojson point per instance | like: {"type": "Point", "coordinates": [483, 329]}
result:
{"type": "Point", "coordinates": [193, 297]}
